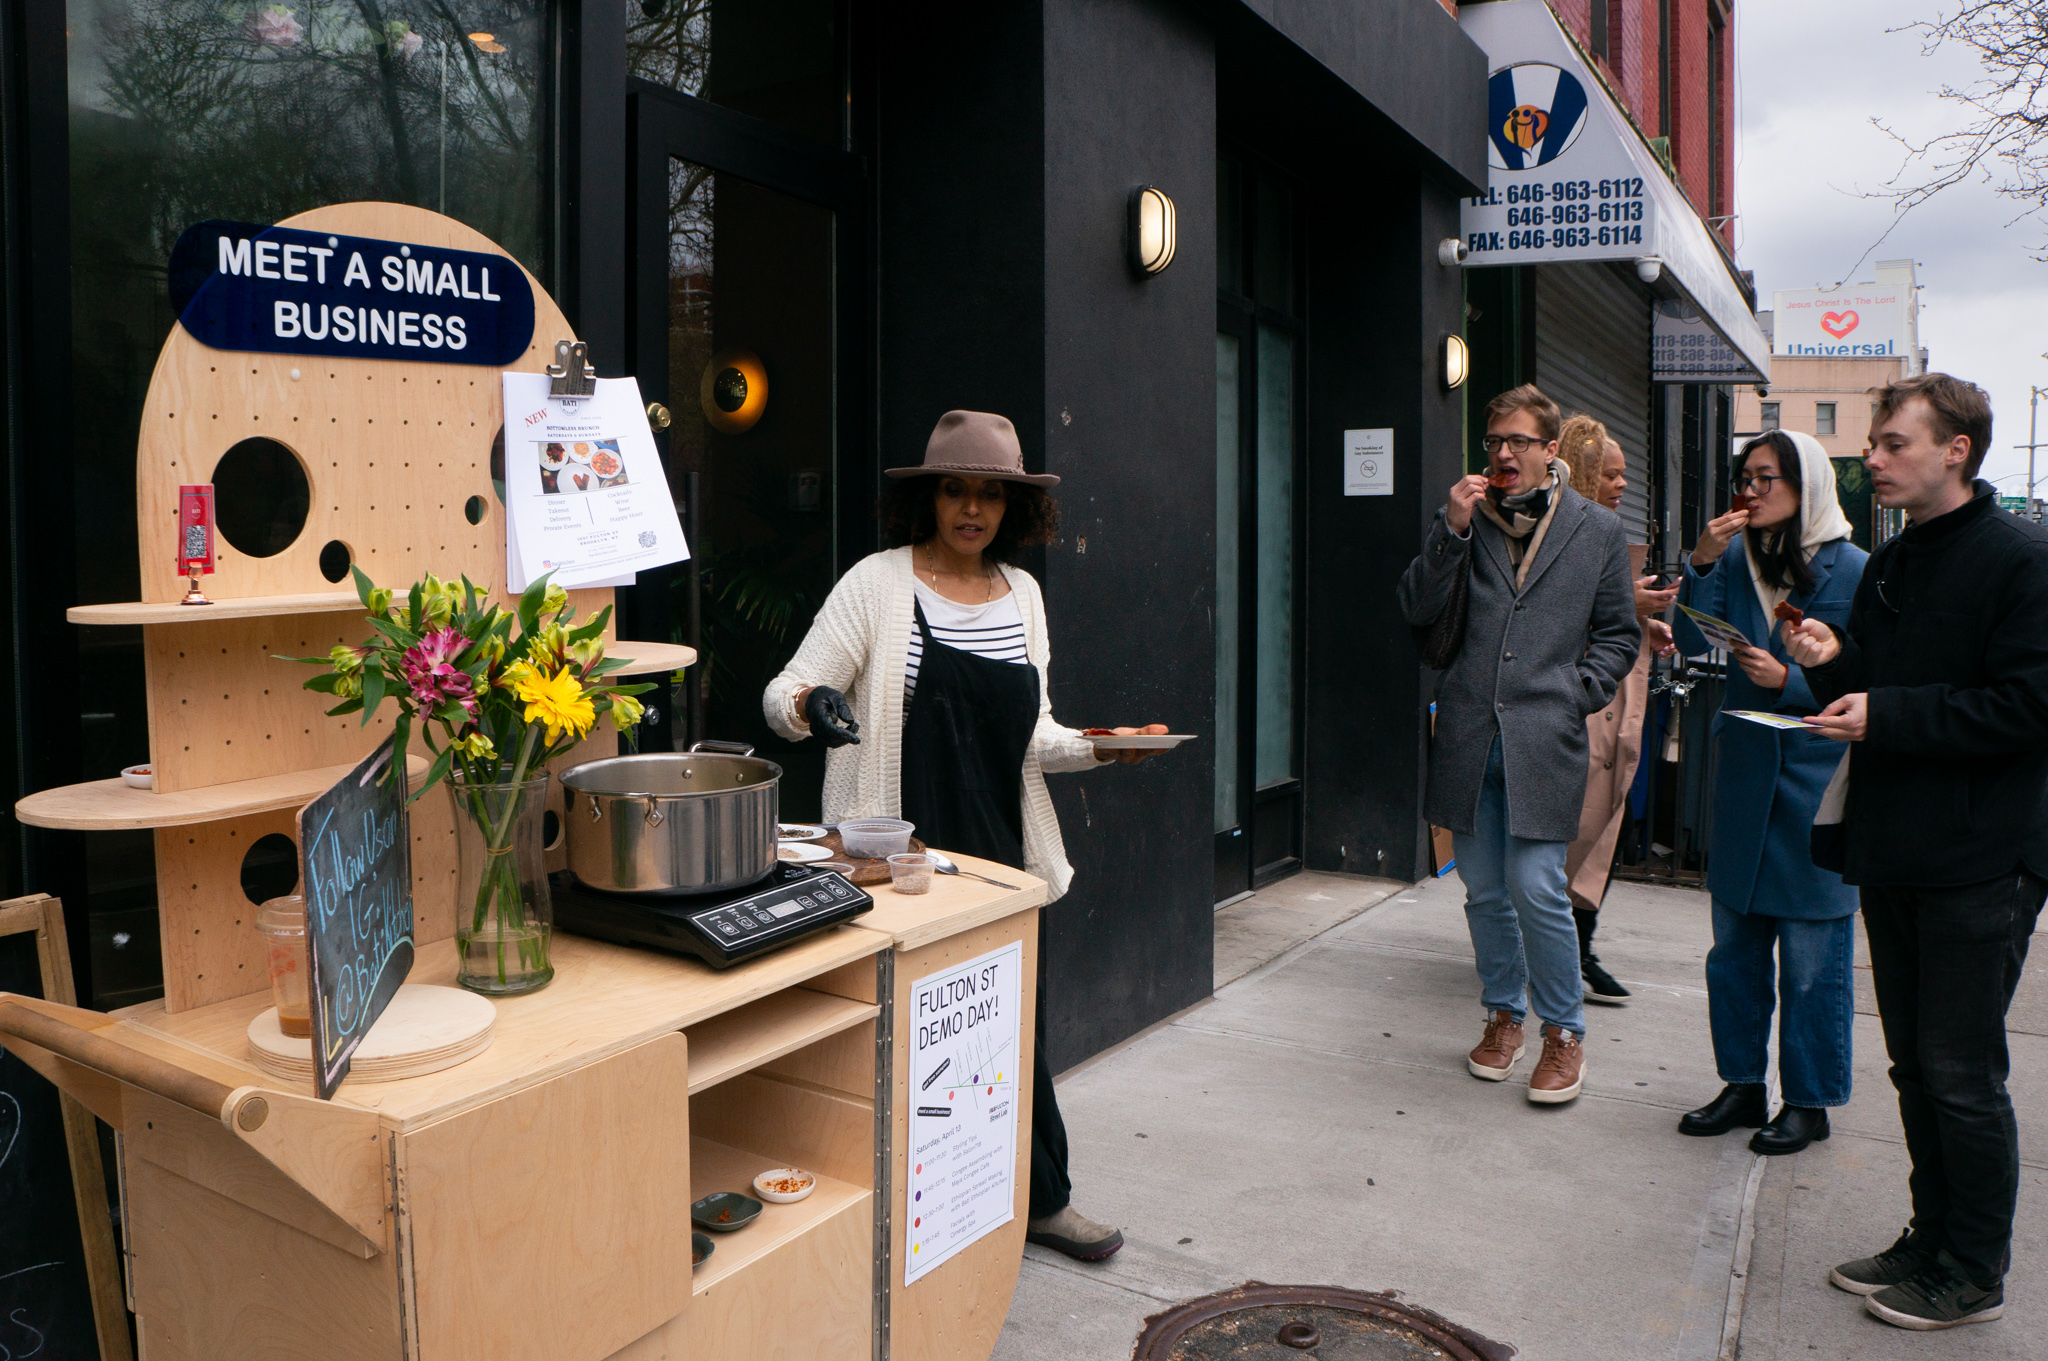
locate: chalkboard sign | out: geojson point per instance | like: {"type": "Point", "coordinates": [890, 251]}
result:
{"type": "Point", "coordinates": [356, 872]}
{"type": "Point", "coordinates": [48, 1274]}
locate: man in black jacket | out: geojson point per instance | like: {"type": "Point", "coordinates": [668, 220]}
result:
{"type": "Point", "coordinates": [1941, 684]}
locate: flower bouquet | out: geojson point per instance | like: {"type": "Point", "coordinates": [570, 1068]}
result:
{"type": "Point", "coordinates": [493, 695]}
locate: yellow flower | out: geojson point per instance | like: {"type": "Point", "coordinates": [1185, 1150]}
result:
{"type": "Point", "coordinates": [437, 601]}
{"type": "Point", "coordinates": [349, 687]}
{"type": "Point", "coordinates": [517, 675]}
{"type": "Point", "coordinates": [559, 702]}
{"type": "Point", "coordinates": [476, 747]}
{"type": "Point", "coordinates": [553, 600]}
{"type": "Point", "coordinates": [626, 711]}
{"type": "Point", "coordinates": [346, 660]}
{"type": "Point", "coordinates": [380, 602]}
{"type": "Point", "coordinates": [587, 653]}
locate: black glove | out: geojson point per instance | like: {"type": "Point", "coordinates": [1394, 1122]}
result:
{"type": "Point", "coordinates": [831, 717]}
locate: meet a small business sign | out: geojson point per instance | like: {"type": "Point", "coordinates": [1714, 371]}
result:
{"type": "Point", "coordinates": [279, 290]}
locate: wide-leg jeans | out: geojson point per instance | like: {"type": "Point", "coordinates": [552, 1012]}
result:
{"type": "Point", "coordinates": [1945, 962]}
{"type": "Point", "coordinates": [1523, 938]}
{"type": "Point", "coordinates": [1813, 996]}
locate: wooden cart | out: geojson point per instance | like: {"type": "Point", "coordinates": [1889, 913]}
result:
{"type": "Point", "coordinates": [534, 1200]}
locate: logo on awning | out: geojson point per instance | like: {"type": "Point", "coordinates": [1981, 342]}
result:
{"type": "Point", "coordinates": [1535, 112]}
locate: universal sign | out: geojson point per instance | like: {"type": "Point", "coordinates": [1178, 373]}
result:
{"type": "Point", "coordinates": [1856, 321]}
{"type": "Point", "coordinates": [278, 290]}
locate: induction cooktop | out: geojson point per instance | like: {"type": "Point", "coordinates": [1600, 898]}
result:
{"type": "Point", "coordinates": [723, 929]}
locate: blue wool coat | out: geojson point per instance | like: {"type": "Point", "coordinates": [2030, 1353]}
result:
{"type": "Point", "coordinates": [1769, 782]}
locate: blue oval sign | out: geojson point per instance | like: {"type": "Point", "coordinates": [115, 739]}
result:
{"type": "Point", "coordinates": [280, 290]}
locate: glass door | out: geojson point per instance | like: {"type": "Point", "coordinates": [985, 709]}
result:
{"type": "Point", "coordinates": [1259, 447]}
{"type": "Point", "coordinates": [741, 295]}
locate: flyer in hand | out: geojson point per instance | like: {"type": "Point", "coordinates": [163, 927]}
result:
{"type": "Point", "coordinates": [1719, 632]}
{"type": "Point", "coordinates": [1770, 720]}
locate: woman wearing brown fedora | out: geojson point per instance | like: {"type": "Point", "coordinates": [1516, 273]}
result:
{"type": "Point", "coordinates": [925, 673]}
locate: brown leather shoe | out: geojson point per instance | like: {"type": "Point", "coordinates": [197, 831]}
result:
{"type": "Point", "coordinates": [1502, 1045]}
{"type": "Point", "coordinates": [1562, 1069]}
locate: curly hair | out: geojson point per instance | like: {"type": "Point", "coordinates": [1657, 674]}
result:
{"type": "Point", "coordinates": [910, 515]}
{"type": "Point", "coordinates": [1582, 444]}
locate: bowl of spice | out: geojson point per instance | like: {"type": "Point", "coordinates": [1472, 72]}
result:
{"type": "Point", "coordinates": [724, 1212]}
{"type": "Point", "coordinates": [700, 1248]}
{"type": "Point", "coordinates": [785, 1185]}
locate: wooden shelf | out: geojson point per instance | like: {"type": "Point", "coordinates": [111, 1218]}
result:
{"type": "Point", "coordinates": [762, 1032]}
{"type": "Point", "coordinates": [250, 607]}
{"type": "Point", "coordinates": [648, 658]}
{"type": "Point", "coordinates": [716, 1167]}
{"type": "Point", "coordinates": [110, 805]}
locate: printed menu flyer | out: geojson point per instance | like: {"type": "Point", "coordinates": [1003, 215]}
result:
{"type": "Point", "coordinates": [585, 495]}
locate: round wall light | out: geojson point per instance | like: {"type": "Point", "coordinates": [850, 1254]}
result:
{"type": "Point", "coordinates": [734, 391]}
{"type": "Point", "coordinates": [1457, 362]}
{"type": "Point", "coordinates": [1153, 234]}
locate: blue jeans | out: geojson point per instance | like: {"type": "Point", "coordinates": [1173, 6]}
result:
{"type": "Point", "coordinates": [1813, 968]}
{"type": "Point", "coordinates": [1523, 937]}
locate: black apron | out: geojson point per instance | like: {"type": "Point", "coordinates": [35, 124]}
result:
{"type": "Point", "coordinates": [962, 778]}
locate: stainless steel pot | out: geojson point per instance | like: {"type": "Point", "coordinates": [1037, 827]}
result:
{"type": "Point", "coordinates": [669, 823]}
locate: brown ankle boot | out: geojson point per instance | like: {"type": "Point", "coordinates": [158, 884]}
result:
{"type": "Point", "coordinates": [1502, 1045]}
{"type": "Point", "coordinates": [1562, 1069]}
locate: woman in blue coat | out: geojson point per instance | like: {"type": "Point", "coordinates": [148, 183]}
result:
{"type": "Point", "coordinates": [1790, 546]}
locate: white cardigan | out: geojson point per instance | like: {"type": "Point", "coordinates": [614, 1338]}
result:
{"type": "Point", "coordinates": [858, 645]}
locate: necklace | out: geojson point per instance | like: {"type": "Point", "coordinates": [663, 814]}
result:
{"type": "Point", "coordinates": [931, 569]}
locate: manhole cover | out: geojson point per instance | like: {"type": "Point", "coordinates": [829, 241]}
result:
{"type": "Point", "coordinates": [1258, 1322]}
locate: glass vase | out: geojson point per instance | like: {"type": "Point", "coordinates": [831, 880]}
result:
{"type": "Point", "coordinates": [504, 920]}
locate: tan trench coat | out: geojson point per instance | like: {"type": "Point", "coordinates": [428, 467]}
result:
{"type": "Point", "coordinates": [1614, 746]}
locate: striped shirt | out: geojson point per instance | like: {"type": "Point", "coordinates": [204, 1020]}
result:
{"type": "Point", "coordinates": [994, 630]}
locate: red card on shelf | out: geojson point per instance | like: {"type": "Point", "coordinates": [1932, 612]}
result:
{"type": "Point", "coordinates": [195, 529]}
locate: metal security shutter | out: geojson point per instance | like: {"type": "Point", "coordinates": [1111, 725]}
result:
{"type": "Point", "coordinates": [1593, 356]}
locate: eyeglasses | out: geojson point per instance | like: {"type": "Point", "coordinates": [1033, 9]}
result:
{"type": "Point", "coordinates": [1763, 482]}
{"type": "Point", "coordinates": [1519, 444]}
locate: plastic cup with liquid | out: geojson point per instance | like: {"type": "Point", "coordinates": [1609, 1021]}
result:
{"type": "Point", "coordinates": [911, 873]}
{"type": "Point", "coordinates": [283, 923]}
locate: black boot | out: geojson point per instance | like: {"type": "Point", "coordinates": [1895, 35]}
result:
{"type": "Point", "coordinates": [1600, 985]}
{"type": "Point", "coordinates": [1794, 1128]}
{"type": "Point", "coordinates": [1740, 1103]}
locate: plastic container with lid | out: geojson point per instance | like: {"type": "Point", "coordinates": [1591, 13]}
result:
{"type": "Point", "coordinates": [283, 923]}
{"type": "Point", "coordinates": [875, 838]}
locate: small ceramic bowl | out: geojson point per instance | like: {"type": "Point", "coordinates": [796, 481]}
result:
{"type": "Point", "coordinates": [724, 1212]}
{"type": "Point", "coordinates": [763, 1189]}
{"type": "Point", "coordinates": [701, 1248]}
{"type": "Point", "coordinates": [137, 777]}
{"type": "Point", "coordinates": [800, 853]}
{"type": "Point", "coordinates": [799, 831]}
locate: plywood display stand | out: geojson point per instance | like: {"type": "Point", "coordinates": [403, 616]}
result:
{"type": "Point", "coordinates": [531, 1201]}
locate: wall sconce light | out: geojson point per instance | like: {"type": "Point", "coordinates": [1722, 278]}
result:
{"type": "Point", "coordinates": [1457, 362]}
{"type": "Point", "coordinates": [1153, 235]}
{"type": "Point", "coordinates": [733, 391]}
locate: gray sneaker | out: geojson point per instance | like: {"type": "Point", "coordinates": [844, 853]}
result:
{"type": "Point", "coordinates": [1900, 1262]}
{"type": "Point", "coordinates": [1072, 1233]}
{"type": "Point", "coordinates": [1939, 1297]}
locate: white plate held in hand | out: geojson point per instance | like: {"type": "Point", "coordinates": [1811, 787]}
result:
{"type": "Point", "coordinates": [1141, 741]}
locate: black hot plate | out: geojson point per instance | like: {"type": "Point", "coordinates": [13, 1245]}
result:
{"type": "Point", "coordinates": [790, 902]}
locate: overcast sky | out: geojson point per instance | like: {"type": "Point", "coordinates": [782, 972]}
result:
{"type": "Point", "coordinates": [1812, 74]}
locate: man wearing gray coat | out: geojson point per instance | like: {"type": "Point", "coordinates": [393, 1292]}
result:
{"type": "Point", "coordinates": [1550, 631]}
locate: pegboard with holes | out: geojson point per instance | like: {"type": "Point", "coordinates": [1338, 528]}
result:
{"type": "Point", "coordinates": [318, 463]}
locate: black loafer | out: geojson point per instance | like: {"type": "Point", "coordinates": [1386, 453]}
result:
{"type": "Point", "coordinates": [1794, 1128]}
{"type": "Point", "coordinates": [1740, 1103]}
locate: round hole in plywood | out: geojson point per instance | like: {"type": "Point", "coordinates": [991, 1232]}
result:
{"type": "Point", "coordinates": [550, 830]}
{"type": "Point", "coordinates": [260, 497]}
{"type": "Point", "coordinates": [270, 869]}
{"type": "Point", "coordinates": [498, 464]}
{"type": "Point", "coordinates": [473, 510]}
{"type": "Point", "coordinates": [335, 558]}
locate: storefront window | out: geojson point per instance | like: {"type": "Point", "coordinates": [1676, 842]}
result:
{"type": "Point", "coordinates": [184, 110]}
{"type": "Point", "coordinates": [1770, 421]}
{"type": "Point", "coordinates": [1823, 418]}
{"type": "Point", "coordinates": [776, 60]}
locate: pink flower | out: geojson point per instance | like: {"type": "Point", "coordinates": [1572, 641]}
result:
{"type": "Point", "coordinates": [275, 27]}
{"type": "Point", "coordinates": [430, 672]}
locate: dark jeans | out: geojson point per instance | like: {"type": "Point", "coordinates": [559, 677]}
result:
{"type": "Point", "coordinates": [1945, 962]}
{"type": "Point", "coordinates": [1812, 995]}
{"type": "Point", "coordinates": [1050, 1186]}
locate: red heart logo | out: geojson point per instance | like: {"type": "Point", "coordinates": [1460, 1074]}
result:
{"type": "Point", "coordinates": [1839, 324]}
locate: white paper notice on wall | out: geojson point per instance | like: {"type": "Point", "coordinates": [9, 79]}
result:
{"type": "Point", "coordinates": [964, 1076]}
{"type": "Point", "coordinates": [585, 495]}
{"type": "Point", "coordinates": [1369, 462]}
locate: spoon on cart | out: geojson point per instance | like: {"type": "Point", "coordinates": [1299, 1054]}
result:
{"type": "Point", "coordinates": [946, 866]}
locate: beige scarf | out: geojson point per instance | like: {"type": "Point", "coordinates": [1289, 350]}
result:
{"type": "Point", "coordinates": [1820, 521]}
{"type": "Point", "coordinates": [1525, 534]}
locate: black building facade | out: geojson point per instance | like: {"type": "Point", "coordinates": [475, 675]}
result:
{"type": "Point", "coordinates": [900, 209]}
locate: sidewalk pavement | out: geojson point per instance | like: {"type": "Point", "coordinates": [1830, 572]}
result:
{"type": "Point", "coordinates": [1314, 1124]}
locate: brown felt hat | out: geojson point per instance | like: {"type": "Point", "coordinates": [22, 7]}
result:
{"type": "Point", "coordinates": [975, 444]}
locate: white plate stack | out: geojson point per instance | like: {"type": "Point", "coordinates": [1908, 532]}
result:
{"type": "Point", "coordinates": [424, 1030]}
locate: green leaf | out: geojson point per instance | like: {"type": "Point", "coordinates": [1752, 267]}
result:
{"type": "Point", "coordinates": [530, 602]}
{"type": "Point", "coordinates": [324, 684]}
{"type": "Point", "coordinates": [593, 628]}
{"type": "Point", "coordinates": [307, 661]}
{"type": "Point", "coordinates": [415, 601]}
{"type": "Point", "coordinates": [401, 637]}
{"type": "Point", "coordinates": [400, 731]}
{"type": "Point", "coordinates": [363, 584]}
{"type": "Point", "coordinates": [373, 689]}
{"type": "Point", "coordinates": [435, 773]}
{"type": "Point", "coordinates": [347, 706]}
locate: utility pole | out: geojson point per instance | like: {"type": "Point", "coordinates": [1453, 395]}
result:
{"type": "Point", "coordinates": [2033, 441]}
